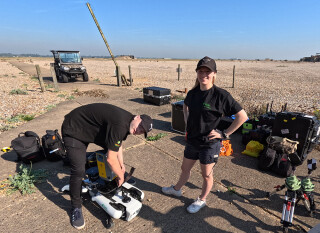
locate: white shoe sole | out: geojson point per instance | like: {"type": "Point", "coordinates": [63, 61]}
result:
{"type": "Point", "coordinates": [81, 227]}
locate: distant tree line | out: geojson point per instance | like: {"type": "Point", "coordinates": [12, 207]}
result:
{"type": "Point", "coordinates": [37, 55]}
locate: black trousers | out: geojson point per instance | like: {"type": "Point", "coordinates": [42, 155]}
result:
{"type": "Point", "coordinates": [76, 152]}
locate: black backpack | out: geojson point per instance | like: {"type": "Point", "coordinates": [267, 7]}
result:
{"type": "Point", "coordinates": [53, 146]}
{"type": "Point", "coordinates": [28, 147]}
{"type": "Point", "coordinates": [282, 165]}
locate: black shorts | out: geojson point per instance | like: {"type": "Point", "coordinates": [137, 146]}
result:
{"type": "Point", "coordinates": [206, 155]}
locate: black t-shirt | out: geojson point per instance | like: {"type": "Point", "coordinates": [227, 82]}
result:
{"type": "Point", "coordinates": [103, 124]}
{"type": "Point", "coordinates": [205, 111]}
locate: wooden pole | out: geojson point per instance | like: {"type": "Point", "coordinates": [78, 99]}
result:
{"type": "Point", "coordinates": [118, 76]}
{"type": "Point", "coordinates": [234, 71]}
{"type": "Point", "coordinates": [106, 43]}
{"type": "Point", "coordinates": [54, 77]}
{"type": "Point", "coordinates": [178, 72]}
{"type": "Point", "coordinates": [43, 89]}
{"type": "Point", "coordinates": [130, 77]}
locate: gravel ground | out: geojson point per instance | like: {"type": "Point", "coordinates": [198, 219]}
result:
{"type": "Point", "coordinates": [256, 83]}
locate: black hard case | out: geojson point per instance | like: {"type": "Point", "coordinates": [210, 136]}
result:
{"type": "Point", "coordinates": [299, 127]}
{"type": "Point", "coordinates": [157, 95]}
{"type": "Point", "coordinates": [177, 122]}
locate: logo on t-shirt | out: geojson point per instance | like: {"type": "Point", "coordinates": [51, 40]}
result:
{"type": "Point", "coordinates": [118, 144]}
{"type": "Point", "coordinates": [207, 106]}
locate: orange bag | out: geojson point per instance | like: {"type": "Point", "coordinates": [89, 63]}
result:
{"type": "Point", "coordinates": [226, 148]}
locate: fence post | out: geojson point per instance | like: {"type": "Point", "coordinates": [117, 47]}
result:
{"type": "Point", "coordinates": [130, 77]}
{"type": "Point", "coordinates": [234, 71]}
{"type": "Point", "coordinates": [178, 70]}
{"type": "Point", "coordinates": [118, 76]}
{"type": "Point", "coordinates": [54, 77]}
{"type": "Point", "coordinates": [43, 89]}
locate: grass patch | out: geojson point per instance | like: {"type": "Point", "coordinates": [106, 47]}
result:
{"type": "Point", "coordinates": [61, 95]}
{"type": "Point", "coordinates": [21, 117]}
{"type": "Point", "coordinates": [253, 111]}
{"type": "Point", "coordinates": [231, 190]}
{"type": "Point", "coordinates": [71, 97]}
{"type": "Point", "coordinates": [18, 92]}
{"type": "Point", "coordinates": [156, 137]}
{"type": "Point", "coordinates": [24, 180]}
{"type": "Point", "coordinates": [177, 97]}
{"type": "Point", "coordinates": [13, 76]}
{"type": "Point", "coordinates": [34, 78]}
{"type": "Point", "coordinates": [49, 107]}
{"type": "Point", "coordinates": [49, 86]}
{"type": "Point", "coordinates": [6, 128]}
{"type": "Point", "coordinates": [96, 80]}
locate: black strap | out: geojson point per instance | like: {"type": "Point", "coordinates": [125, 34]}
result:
{"type": "Point", "coordinates": [58, 136]}
{"type": "Point", "coordinates": [129, 175]}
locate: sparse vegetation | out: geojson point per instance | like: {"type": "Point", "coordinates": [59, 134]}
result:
{"type": "Point", "coordinates": [156, 137]}
{"type": "Point", "coordinates": [61, 95]}
{"type": "Point", "coordinates": [6, 128]}
{"type": "Point", "coordinates": [231, 190]}
{"type": "Point", "coordinates": [49, 107]}
{"type": "Point", "coordinates": [253, 111]}
{"type": "Point", "coordinates": [49, 86]}
{"type": "Point", "coordinates": [18, 92]}
{"type": "Point", "coordinates": [20, 117]}
{"type": "Point", "coordinates": [93, 93]}
{"type": "Point", "coordinates": [177, 97]}
{"type": "Point", "coordinates": [71, 97]}
{"type": "Point", "coordinates": [34, 78]}
{"type": "Point", "coordinates": [24, 180]}
{"type": "Point", "coordinates": [25, 86]}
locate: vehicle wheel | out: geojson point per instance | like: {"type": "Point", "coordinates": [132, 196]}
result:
{"type": "Point", "coordinates": [85, 77]}
{"type": "Point", "coordinates": [109, 222]}
{"type": "Point", "coordinates": [64, 78]}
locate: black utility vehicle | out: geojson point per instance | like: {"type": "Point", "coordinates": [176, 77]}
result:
{"type": "Point", "coordinates": [68, 65]}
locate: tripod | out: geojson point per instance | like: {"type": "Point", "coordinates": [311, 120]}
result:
{"type": "Point", "coordinates": [296, 190]}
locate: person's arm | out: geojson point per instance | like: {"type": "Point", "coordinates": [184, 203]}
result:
{"type": "Point", "coordinates": [120, 158]}
{"type": "Point", "coordinates": [185, 114]}
{"type": "Point", "coordinates": [113, 161]}
{"type": "Point", "coordinates": [240, 118]}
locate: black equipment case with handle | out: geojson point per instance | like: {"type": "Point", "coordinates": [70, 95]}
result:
{"type": "Point", "coordinates": [298, 127]}
{"type": "Point", "coordinates": [157, 95]}
{"type": "Point", "coordinates": [177, 122]}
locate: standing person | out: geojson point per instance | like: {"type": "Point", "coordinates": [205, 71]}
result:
{"type": "Point", "coordinates": [203, 108]}
{"type": "Point", "coordinates": [107, 126]}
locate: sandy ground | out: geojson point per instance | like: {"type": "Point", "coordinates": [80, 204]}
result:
{"type": "Point", "coordinates": [256, 83]}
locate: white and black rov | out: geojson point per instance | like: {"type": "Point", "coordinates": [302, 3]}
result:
{"type": "Point", "coordinates": [122, 202]}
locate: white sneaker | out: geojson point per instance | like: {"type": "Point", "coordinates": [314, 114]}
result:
{"type": "Point", "coordinates": [171, 191]}
{"type": "Point", "coordinates": [196, 206]}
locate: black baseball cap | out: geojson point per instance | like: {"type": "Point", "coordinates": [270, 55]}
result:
{"type": "Point", "coordinates": [207, 62]}
{"type": "Point", "coordinates": [146, 124]}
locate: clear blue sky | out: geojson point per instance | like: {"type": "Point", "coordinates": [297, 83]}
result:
{"type": "Point", "coordinates": [245, 29]}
